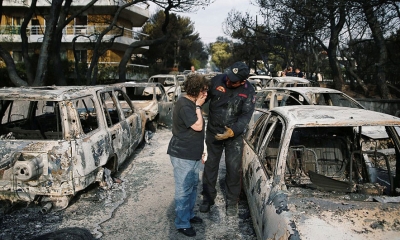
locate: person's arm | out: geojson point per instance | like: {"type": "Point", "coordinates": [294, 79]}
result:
{"type": "Point", "coordinates": [247, 112]}
{"type": "Point", "coordinates": [198, 125]}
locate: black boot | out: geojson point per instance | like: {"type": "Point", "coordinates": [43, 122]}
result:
{"type": "Point", "coordinates": [205, 206]}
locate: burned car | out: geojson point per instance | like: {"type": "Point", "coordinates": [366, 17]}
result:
{"type": "Point", "coordinates": [256, 83]}
{"type": "Point", "coordinates": [181, 78]}
{"type": "Point", "coordinates": [170, 83]}
{"type": "Point", "coordinates": [264, 81]}
{"type": "Point", "coordinates": [309, 172]}
{"type": "Point", "coordinates": [56, 141]}
{"type": "Point", "coordinates": [269, 98]}
{"type": "Point", "coordinates": [153, 100]}
{"type": "Point", "coordinates": [261, 81]}
{"type": "Point", "coordinates": [289, 82]}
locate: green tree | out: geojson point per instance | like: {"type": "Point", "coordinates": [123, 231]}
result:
{"type": "Point", "coordinates": [182, 49]}
{"type": "Point", "coordinates": [264, 45]}
{"type": "Point", "coordinates": [221, 54]}
{"type": "Point", "coordinates": [309, 34]}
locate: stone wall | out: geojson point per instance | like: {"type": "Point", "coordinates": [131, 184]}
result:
{"type": "Point", "coordinates": [388, 106]}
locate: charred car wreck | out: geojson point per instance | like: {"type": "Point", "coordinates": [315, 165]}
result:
{"type": "Point", "coordinates": [269, 98]}
{"type": "Point", "coordinates": [55, 141]}
{"type": "Point", "coordinates": [153, 100]}
{"type": "Point", "coordinates": [310, 172]}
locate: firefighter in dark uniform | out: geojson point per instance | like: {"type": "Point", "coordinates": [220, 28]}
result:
{"type": "Point", "coordinates": [232, 101]}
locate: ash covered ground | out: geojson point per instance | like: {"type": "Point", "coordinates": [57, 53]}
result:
{"type": "Point", "coordinates": [139, 207]}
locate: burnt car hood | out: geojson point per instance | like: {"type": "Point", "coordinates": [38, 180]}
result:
{"type": "Point", "coordinates": [321, 215]}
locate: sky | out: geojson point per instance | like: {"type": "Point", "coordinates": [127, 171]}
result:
{"type": "Point", "coordinates": [208, 21]}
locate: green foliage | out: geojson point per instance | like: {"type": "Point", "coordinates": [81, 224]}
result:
{"type": "Point", "coordinates": [106, 74]}
{"type": "Point", "coordinates": [20, 67]}
{"type": "Point", "coordinates": [53, 72]}
{"type": "Point", "coordinates": [196, 63]}
{"type": "Point", "coordinates": [221, 54]}
{"type": "Point", "coordinates": [5, 79]}
{"type": "Point", "coordinates": [181, 49]}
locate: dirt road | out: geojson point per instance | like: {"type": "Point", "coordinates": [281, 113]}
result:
{"type": "Point", "coordinates": [140, 207]}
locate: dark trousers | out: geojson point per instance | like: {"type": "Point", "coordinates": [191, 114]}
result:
{"type": "Point", "coordinates": [233, 161]}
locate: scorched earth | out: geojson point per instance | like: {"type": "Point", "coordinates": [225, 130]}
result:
{"type": "Point", "coordinates": [139, 205]}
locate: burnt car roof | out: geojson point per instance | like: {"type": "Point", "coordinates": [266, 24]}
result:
{"type": "Point", "coordinates": [47, 92]}
{"type": "Point", "coordinates": [163, 75]}
{"type": "Point", "coordinates": [138, 84]}
{"type": "Point", "coordinates": [316, 115]}
{"type": "Point", "coordinates": [304, 90]}
{"type": "Point", "coordinates": [260, 77]}
{"type": "Point", "coordinates": [291, 79]}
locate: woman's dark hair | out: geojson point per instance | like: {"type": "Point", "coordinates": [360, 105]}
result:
{"type": "Point", "coordinates": [195, 83]}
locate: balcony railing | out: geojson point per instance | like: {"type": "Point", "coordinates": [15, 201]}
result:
{"type": "Point", "coordinates": [7, 29]}
{"type": "Point", "coordinates": [75, 30]}
{"type": "Point", "coordinates": [133, 71]}
{"type": "Point", "coordinates": [27, 3]}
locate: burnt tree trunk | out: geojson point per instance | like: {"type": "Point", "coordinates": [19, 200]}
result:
{"type": "Point", "coordinates": [333, 46]}
{"type": "Point", "coordinates": [377, 34]}
{"type": "Point", "coordinates": [12, 70]}
{"type": "Point", "coordinates": [45, 50]}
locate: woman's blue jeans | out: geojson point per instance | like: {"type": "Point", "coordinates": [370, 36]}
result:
{"type": "Point", "coordinates": [186, 174]}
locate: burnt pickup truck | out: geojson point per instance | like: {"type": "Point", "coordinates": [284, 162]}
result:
{"type": "Point", "coordinates": [56, 141]}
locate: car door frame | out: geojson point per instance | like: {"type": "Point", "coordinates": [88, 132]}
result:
{"type": "Point", "coordinates": [165, 107]}
{"type": "Point", "coordinates": [119, 132]}
{"type": "Point", "coordinates": [261, 188]}
{"type": "Point", "coordinates": [134, 119]}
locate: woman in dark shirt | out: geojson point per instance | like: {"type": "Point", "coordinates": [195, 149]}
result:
{"type": "Point", "coordinates": [186, 150]}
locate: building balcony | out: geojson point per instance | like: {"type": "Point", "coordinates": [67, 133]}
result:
{"type": "Point", "coordinates": [81, 33]}
{"type": "Point", "coordinates": [134, 72]}
{"type": "Point", "coordinates": [137, 14]}
{"type": "Point", "coordinates": [108, 72]}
